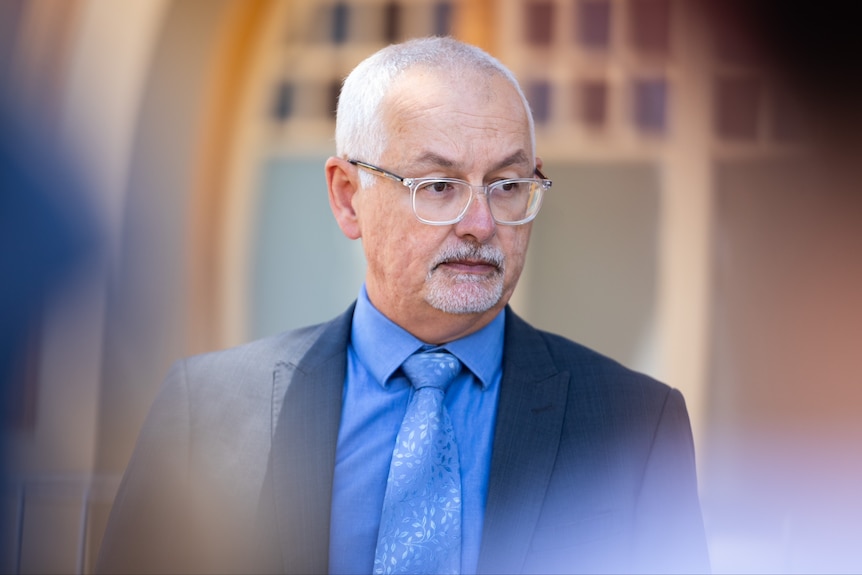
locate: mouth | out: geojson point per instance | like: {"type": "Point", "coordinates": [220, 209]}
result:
{"type": "Point", "coordinates": [480, 267]}
{"type": "Point", "coordinates": [466, 259]}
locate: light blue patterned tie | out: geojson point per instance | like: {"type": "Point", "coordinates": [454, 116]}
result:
{"type": "Point", "coordinates": [420, 527]}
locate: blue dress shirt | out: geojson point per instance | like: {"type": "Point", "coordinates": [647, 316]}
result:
{"type": "Point", "coordinates": [376, 394]}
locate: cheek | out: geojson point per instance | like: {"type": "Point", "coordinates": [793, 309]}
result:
{"type": "Point", "coordinates": [393, 252]}
{"type": "Point", "coordinates": [515, 248]}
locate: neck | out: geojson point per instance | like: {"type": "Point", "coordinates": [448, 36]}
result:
{"type": "Point", "coordinates": [436, 327]}
{"type": "Point", "coordinates": [445, 332]}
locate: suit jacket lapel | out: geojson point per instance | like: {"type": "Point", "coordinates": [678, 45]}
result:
{"type": "Point", "coordinates": [307, 391]}
{"type": "Point", "coordinates": [529, 422]}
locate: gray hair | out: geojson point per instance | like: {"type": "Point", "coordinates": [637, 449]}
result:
{"type": "Point", "coordinates": [359, 130]}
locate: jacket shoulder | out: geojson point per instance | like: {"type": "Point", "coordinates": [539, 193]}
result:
{"type": "Point", "coordinates": [251, 361]}
{"type": "Point", "coordinates": [586, 366]}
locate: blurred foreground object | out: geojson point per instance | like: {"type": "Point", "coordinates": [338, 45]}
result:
{"type": "Point", "coordinates": [811, 48]}
{"type": "Point", "coordinates": [46, 232]}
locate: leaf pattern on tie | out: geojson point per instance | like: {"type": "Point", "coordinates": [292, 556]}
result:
{"type": "Point", "coordinates": [420, 528]}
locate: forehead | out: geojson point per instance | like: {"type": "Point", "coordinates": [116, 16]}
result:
{"type": "Point", "coordinates": [457, 114]}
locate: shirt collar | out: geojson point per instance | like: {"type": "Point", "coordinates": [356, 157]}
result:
{"type": "Point", "coordinates": [382, 346]}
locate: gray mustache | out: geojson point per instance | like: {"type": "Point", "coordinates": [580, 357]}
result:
{"type": "Point", "coordinates": [483, 253]}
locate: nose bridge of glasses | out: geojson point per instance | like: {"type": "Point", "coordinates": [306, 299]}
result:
{"type": "Point", "coordinates": [485, 211]}
{"type": "Point", "coordinates": [480, 189]}
{"type": "Point", "coordinates": [484, 190]}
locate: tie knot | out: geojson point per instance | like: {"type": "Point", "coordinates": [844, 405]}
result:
{"type": "Point", "coordinates": [431, 369]}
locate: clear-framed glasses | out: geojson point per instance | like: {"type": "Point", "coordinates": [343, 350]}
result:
{"type": "Point", "coordinates": [445, 201]}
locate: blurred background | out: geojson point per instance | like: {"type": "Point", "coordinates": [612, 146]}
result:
{"type": "Point", "coordinates": [163, 194]}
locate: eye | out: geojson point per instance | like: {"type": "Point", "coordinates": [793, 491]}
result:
{"type": "Point", "coordinates": [436, 187]}
{"type": "Point", "coordinates": [509, 187]}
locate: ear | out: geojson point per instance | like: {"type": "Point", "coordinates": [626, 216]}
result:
{"type": "Point", "coordinates": [342, 181]}
{"type": "Point", "coordinates": [539, 162]}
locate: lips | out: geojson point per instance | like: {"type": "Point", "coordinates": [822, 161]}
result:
{"type": "Point", "coordinates": [470, 266]}
{"type": "Point", "coordinates": [472, 259]}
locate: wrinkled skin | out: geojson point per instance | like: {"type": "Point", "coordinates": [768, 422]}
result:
{"type": "Point", "coordinates": [473, 127]}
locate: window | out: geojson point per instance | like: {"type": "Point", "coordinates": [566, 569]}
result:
{"type": "Point", "coordinates": [391, 22]}
{"type": "Point", "coordinates": [594, 24]}
{"type": "Point", "coordinates": [442, 18]}
{"type": "Point", "coordinates": [282, 107]}
{"type": "Point", "coordinates": [540, 22]}
{"type": "Point", "coordinates": [788, 118]}
{"type": "Point", "coordinates": [592, 103]}
{"type": "Point", "coordinates": [650, 104]}
{"type": "Point", "coordinates": [539, 96]}
{"type": "Point", "coordinates": [737, 107]}
{"type": "Point", "coordinates": [340, 20]}
{"type": "Point", "coordinates": [650, 25]}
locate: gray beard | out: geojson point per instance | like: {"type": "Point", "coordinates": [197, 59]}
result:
{"type": "Point", "coordinates": [466, 293]}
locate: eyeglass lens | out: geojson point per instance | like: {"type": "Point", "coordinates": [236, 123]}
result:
{"type": "Point", "coordinates": [510, 201]}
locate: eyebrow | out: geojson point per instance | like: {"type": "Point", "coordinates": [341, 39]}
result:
{"type": "Point", "coordinates": [519, 157]}
{"type": "Point", "coordinates": [436, 160]}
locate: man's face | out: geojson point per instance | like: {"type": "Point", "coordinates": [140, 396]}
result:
{"type": "Point", "coordinates": [443, 282]}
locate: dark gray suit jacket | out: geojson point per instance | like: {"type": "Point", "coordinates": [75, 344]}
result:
{"type": "Point", "coordinates": [593, 465]}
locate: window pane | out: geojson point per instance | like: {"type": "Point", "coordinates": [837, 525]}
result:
{"type": "Point", "coordinates": [340, 18]}
{"type": "Point", "coordinates": [592, 103]}
{"type": "Point", "coordinates": [650, 25]}
{"type": "Point", "coordinates": [283, 105]}
{"type": "Point", "coordinates": [650, 104]}
{"type": "Point", "coordinates": [594, 23]}
{"type": "Point", "coordinates": [788, 118]}
{"type": "Point", "coordinates": [737, 102]}
{"type": "Point", "coordinates": [539, 96]}
{"type": "Point", "coordinates": [391, 22]}
{"type": "Point", "coordinates": [540, 22]}
{"type": "Point", "coordinates": [443, 18]}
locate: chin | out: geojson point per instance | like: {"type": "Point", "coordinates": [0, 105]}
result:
{"type": "Point", "coordinates": [465, 297]}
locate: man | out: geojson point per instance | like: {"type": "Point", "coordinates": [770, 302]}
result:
{"type": "Point", "coordinates": [276, 456]}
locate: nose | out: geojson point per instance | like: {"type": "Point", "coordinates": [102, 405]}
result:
{"type": "Point", "coordinates": [478, 221]}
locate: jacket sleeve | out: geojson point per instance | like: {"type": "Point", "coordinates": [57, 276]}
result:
{"type": "Point", "coordinates": [669, 527]}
